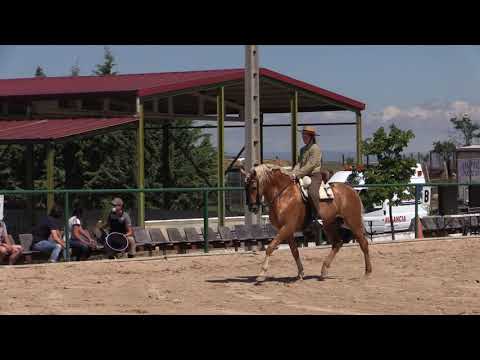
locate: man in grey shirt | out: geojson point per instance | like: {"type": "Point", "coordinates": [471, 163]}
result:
{"type": "Point", "coordinates": [119, 221]}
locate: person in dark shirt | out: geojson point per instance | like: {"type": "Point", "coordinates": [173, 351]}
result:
{"type": "Point", "coordinates": [46, 236]}
{"type": "Point", "coordinates": [119, 221]}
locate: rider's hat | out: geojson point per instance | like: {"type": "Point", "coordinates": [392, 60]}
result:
{"type": "Point", "coordinates": [309, 130]}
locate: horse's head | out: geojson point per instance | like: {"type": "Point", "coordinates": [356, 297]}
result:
{"type": "Point", "coordinates": [252, 193]}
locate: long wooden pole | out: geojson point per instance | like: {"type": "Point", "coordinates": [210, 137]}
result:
{"type": "Point", "coordinates": [220, 151]}
{"type": "Point", "coordinates": [141, 164]}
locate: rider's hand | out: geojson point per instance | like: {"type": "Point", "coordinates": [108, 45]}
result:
{"type": "Point", "coordinates": [293, 177]}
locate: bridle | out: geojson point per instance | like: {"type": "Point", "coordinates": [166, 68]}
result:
{"type": "Point", "coordinates": [253, 207]}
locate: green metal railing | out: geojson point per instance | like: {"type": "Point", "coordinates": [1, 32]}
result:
{"type": "Point", "coordinates": [205, 191]}
{"type": "Point", "coordinates": [67, 192]}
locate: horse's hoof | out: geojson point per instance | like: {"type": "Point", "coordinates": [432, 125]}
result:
{"type": "Point", "coordinates": [261, 278]}
{"type": "Point", "coordinates": [300, 276]}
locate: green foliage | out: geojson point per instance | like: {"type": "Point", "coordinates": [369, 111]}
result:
{"type": "Point", "coordinates": [466, 127]}
{"type": "Point", "coordinates": [39, 72]}
{"type": "Point", "coordinates": [75, 69]}
{"type": "Point", "coordinates": [391, 168]}
{"type": "Point", "coordinates": [107, 67]}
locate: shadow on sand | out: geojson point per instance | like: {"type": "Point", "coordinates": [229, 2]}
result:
{"type": "Point", "coordinates": [253, 279]}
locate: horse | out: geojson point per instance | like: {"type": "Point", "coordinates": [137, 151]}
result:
{"type": "Point", "coordinates": [288, 214]}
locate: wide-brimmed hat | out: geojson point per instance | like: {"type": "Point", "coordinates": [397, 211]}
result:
{"type": "Point", "coordinates": [309, 130]}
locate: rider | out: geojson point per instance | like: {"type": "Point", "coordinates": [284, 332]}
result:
{"type": "Point", "coordinates": [309, 164]}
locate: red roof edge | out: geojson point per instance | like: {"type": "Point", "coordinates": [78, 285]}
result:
{"type": "Point", "coordinates": [192, 83]}
{"type": "Point", "coordinates": [312, 88]}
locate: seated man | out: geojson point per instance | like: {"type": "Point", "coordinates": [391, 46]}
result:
{"type": "Point", "coordinates": [46, 236]}
{"type": "Point", "coordinates": [8, 249]}
{"type": "Point", "coordinates": [119, 221]}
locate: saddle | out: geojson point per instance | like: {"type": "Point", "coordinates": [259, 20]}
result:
{"type": "Point", "coordinates": [325, 191]}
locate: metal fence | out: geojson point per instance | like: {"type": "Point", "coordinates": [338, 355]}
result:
{"type": "Point", "coordinates": [205, 191]}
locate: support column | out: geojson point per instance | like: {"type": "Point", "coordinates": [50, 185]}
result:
{"type": "Point", "coordinates": [252, 118]}
{"type": "Point", "coordinates": [359, 138]}
{"type": "Point", "coordinates": [141, 164]}
{"type": "Point", "coordinates": [220, 157]}
{"type": "Point", "coordinates": [261, 138]}
{"type": "Point", "coordinates": [294, 126]}
{"type": "Point", "coordinates": [28, 185]}
{"type": "Point", "coordinates": [50, 175]}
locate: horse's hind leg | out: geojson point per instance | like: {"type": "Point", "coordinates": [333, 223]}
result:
{"type": "Point", "coordinates": [337, 242]}
{"type": "Point", "coordinates": [362, 241]}
{"type": "Point", "coordinates": [283, 234]}
{"type": "Point", "coordinates": [296, 256]}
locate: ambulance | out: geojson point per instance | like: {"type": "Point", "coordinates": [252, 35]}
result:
{"type": "Point", "coordinates": [378, 220]}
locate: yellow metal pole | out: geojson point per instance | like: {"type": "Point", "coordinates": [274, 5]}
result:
{"type": "Point", "coordinates": [50, 175]}
{"type": "Point", "coordinates": [141, 165]}
{"type": "Point", "coordinates": [359, 138]}
{"type": "Point", "coordinates": [294, 126]}
{"type": "Point", "coordinates": [221, 139]}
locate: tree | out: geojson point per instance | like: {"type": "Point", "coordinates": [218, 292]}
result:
{"type": "Point", "coordinates": [39, 72]}
{"type": "Point", "coordinates": [392, 168]}
{"type": "Point", "coordinates": [75, 69]}
{"type": "Point", "coordinates": [466, 127]}
{"type": "Point", "coordinates": [445, 149]}
{"type": "Point", "coordinates": [108, 64]}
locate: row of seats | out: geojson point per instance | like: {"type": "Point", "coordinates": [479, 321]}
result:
{"type": "Point", "coordinates": [446, 224]}
{"type": "Point", "coordinates": [244, 236]}
{"type": "Point", "coordinates": [181, 240]}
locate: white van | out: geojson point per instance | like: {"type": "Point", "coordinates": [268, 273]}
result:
{"type": "Point", "coordinates": [378, 221]}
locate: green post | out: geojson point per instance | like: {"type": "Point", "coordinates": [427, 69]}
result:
{"type": "Point", "coordinates": [29, 183]}
{"type": "Point", "coordinates": [66, 251]}
{"type": "Point", "coordinates": [141, 165]}
{"type": "Point", "coordinates": [261, 138]}
{"type": "Point", "coordinates": [359, 139]}
{"type": "Point", "coordinates": [221, 138]}
{"type": "Point", "coordinates": [417, 196]}
{"type": "Point", "coordinates": [294, 126]}
{"type": "Point", "coordinates": [205, 221]}
{"type": "Point", "coordinates": [50, 175]}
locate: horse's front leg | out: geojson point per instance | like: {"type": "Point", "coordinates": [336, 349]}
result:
{"type": "Point", "coordinates": [284, 233]}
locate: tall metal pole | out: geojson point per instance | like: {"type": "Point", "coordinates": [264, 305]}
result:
{"type": "Point", "coordinates": [359, 139]}
{"type": "Point", "coordinates": [220, 139]}
{"type": "Point", "coordinates": [50, 174]}
{"type": "Point", "coordinates": [141, 164]}
{"type": "Point", "coordinates": [252, 117]}
{"type": "Point", "coordinates": [294, 126]}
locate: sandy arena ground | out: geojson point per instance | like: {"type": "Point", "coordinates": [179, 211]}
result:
{"type": "Point", "coordinates": [420, 277]}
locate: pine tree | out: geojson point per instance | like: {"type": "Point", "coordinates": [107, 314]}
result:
{"type": "Point", "coordinates": [75, 69]}
{"type": "Point", "coordinates": [39, 72]}
{"type": "Point", "coordinates": [109, 63]}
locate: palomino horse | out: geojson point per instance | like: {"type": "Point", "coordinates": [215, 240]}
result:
{"type": "Point", "coordinates": [288, 213]}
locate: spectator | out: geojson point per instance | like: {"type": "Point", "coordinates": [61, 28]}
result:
{"type": "Point", "coordinates": [46, 236]}
{"type": "Point", "coordinates": [80, 240]}
{"type": "Point", "coordinates": [119, 221]}
{"type": "Point", "coordinates": [7, 247]}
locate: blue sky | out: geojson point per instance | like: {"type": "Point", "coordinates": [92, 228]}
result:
{"type": "Point", "coordinates": [415, 87]}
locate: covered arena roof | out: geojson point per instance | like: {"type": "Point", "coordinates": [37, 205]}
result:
{"type": "Point", "coordinates": [274, 92]}
{"type": "Point", "coordinates": [35, 131]}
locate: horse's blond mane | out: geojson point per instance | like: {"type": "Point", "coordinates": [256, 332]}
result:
{"type": "Point", "coordinates": [265, 173]}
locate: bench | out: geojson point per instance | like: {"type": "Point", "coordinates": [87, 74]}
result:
{"type": "Point", "coordinates": [228, 237]}
{"type": "Point", "coordinates": [193, 237]}
{"type": "Point", "coordinates": [158, 239]}
{"type": "Point", "coordinates": [142, 239]}
{"type": "Point", "coordinates": [214, 238]}
{"type": "Point", "coordinates": [244, 236]}
{"type": "Point", "coordinates": [179, 243]}
{"type": "Point", "coordinates": [26, 240]}
{"type": "Point", "coordinates": [261, 235]}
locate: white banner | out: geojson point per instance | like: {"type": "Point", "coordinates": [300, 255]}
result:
{"type": "Point", "coordinates": [468, 170]}
{"type": "Point", "coordinates": [1, 206]}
